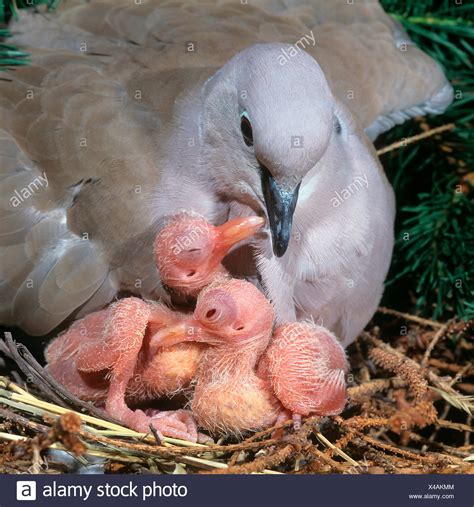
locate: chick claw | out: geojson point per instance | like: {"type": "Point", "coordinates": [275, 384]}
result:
{"type": "Point", "coordinates": [180, 421]}
{"type": "Point", "coordinates": [175, 424]}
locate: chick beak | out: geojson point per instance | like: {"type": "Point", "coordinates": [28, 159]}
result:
{"type": "Point", "coordinates": [236, 230]}
{"type": "Point", "coordinates": [186, 331]}
{"type": "Point", "coordinates": [172, 335]}
{"type": "Point", "coordinates": [280, 205]}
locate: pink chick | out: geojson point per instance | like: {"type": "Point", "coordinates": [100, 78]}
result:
{"type": "Point", "coordinates": [236, 320]}
{"type": "Point", "coordinates": [109, 356]}
{"type": "Point", "coordinates": [102, 358]}
{"type": "Point", "coordinates": [307, 365]}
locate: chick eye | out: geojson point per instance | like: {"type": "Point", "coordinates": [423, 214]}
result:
{"type": "Point", "coordinates": [246, 129]}
{"type": "Point", "coordinates": [192, 254]}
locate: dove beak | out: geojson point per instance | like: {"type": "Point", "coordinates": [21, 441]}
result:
{"type": "Point", "coordinates": [280, 205]}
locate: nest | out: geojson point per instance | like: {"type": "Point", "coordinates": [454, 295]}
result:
{"type": "Point", "coordinates": [409, 411]}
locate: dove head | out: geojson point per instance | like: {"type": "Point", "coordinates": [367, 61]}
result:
{"type": "Point", "coordinates": [268, 120]}
{"type": "Point", "coordinates": [189, 250]}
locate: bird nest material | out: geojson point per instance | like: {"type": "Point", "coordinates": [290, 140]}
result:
{"type": "Point", "coordinates": [409, 411]}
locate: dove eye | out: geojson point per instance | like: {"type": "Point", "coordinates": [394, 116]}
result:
{"type": "Point", "coordinates": [246, 129]}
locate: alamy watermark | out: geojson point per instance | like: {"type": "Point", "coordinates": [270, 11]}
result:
{"type": "Point", "coordinates": [24, 193]}
{"type": "Point", "coordinates": [300, 45]}
{"type": "Point", "coordinates": [347, 192]}
{"type": "Point", "coordinates": [184, 241]}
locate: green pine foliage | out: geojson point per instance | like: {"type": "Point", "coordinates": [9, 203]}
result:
{"type": "Point", "coordinates": [10, 56]}
{"type": "Point", "coordinates": [433, 266]}
{"type": "Point", "coordinates": [8, 8]}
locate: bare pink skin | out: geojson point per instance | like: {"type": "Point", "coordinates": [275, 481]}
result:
{"type": "Point", "coordinates": [307, 365]}
{"type": "Point", "coordinates": [112, 357]}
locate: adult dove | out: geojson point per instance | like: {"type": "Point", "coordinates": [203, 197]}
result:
{"type": "Point", "coordinates": [133, 111]}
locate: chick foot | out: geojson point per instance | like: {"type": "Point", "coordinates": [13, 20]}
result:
{"type": "Point", "coordinates": [176, 424]}
{"type": "Point", "coordinates": [179, 417]}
